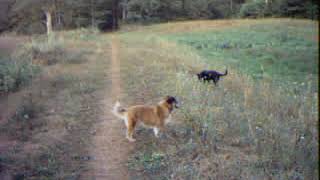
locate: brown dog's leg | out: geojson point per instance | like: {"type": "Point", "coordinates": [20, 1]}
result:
{"type": "Point", "coordinates": [156, 131]}
{"type": "Point", "coordinates": [130, 129]}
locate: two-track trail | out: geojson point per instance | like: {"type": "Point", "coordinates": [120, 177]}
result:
{"type": "Point", "coordinates": [110, 147]}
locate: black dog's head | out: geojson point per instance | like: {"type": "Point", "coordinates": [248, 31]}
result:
{"type": "Point", "coordinates": [199, 75]}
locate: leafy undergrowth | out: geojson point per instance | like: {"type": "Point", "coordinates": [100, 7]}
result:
{"type": "Point", "coordinates": [240, 129]}
{"type": "Point", "coordinates": [19, 68]}
{"type": "Point", "coordinates": [52, 127]}
{"type": "Point", "coordinates": [15, 72]}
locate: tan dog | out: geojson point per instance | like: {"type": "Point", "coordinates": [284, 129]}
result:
{"type": "Point", "coordinates": [151, 116]}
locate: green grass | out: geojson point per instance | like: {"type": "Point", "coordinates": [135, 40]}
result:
{"type": "Point", "coordinates": [281, 51]}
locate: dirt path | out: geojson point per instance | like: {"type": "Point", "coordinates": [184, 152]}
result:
{"type": "Point", "coordinates": [110, 149]}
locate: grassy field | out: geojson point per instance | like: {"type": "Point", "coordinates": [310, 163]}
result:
{"type": "Point", "coordinates": [260, 122]}
{"type": "Point", "coordinates": [282, 51]}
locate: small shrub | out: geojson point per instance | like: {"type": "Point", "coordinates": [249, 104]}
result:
{"type": "Point", "coordinates": [46, 53]}
{"type": "Point", "coordinates": [52, 52]}
{"type": "Point", "coordinates": [15, 73]}
{"type": "Point", "coordinates": [152, 162]}
{"type": "Point", "coordinates": [74, 57]}
{"type": "Point", "coordinates": [253, 9]}
{"type": "Point", "coordinates": [312, 10]}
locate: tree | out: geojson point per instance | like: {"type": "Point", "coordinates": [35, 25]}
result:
{"type": "Point", "coordinates": [45, 6]}
{"type": "Point", "coordinates": [39, 16]}
{"type": "Point", "coordinates": [115, 14]}
{"type": "Point", "coordinates": [124, 8]}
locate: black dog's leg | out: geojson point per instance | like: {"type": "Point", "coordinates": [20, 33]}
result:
{"type": "Point", "coordinates": [205, 79]}
{"type": "Point", "coordinates": [217, 78]}
{"type": "Point", "coordinates": [214, 81]}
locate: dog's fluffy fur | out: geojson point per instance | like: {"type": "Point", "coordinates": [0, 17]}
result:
{"type": "Point", "coordinates": [151, 116]}
{"type": "Point", "coordinates": [208, 75]}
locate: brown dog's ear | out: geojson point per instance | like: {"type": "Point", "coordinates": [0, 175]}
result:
{"type": "Point", "coordinates": [170, 99]}
{"type": "Point", "coordinates": [173, 101]}
{"type": "Point", "coordinates": [167, 98]}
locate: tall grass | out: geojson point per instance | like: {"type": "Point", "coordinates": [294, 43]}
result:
{"type": "Point", "coordinates": [52, 127]}
{"type": "Point", "coordinates": [15, 72]}
{"type": "Point", "coordinates": [241, 128]}
{"type": "Point", "coordinates": [18, 69]}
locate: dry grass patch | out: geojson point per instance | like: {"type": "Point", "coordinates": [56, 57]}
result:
{"type": "Point", "coordinates": [53, 127]}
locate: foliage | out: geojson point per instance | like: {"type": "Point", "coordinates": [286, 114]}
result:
{"type": "Point", "coordinates": [281, 8]}
{"type": "Point", "coordinates": [28, 17]}
{"type": "Point", "coordinates": [298, 8]}
{"type": "Point", "coordinates": [15, 72]}
{"type": "Point", "coordinates": [50, 52]}
{"type": "Point", "coordinates": [253, 9]}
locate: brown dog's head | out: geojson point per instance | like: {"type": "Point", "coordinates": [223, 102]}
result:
{"type": "Point", "coordinates": [172, 102]}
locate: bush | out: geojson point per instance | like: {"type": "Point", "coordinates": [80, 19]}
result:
{"type": "Point", "coordinates": [52, 52]}
{"type": "Point", "coordinates": [14, 73]}
{"type": "Point", "coordinates": [44, 52]}
{"type": "Point", "coordinates": [312, 11]}
{"type": "Point", "coordinates": [253, 9]}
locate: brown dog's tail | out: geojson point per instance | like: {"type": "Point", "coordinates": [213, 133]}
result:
{"type": "Point", "coordinates": [119, 111]}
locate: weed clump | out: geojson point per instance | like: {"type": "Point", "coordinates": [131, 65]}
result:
{"type": "Point", "coordinates": [52, 52]}
{"type": "Point", "coordinates": [15, 72]}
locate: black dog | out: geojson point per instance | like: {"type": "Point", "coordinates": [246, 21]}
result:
{"type": "Point", "coordinates": [208, 75]}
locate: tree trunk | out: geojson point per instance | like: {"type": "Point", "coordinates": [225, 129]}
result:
{"type": "Point", "coordinates": [48, 22]}
{"type": "Point", "coordinates": [183, 6]}
{"type": "Point", "coordinates": [115, 24]}
{"type": "Point", "coordinates": [92, 14]}
{"type": "Point", "coordinates": [124, 9]}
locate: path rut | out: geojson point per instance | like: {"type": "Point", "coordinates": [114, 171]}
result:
{"type": "Point", "coordinates": [110, 148]}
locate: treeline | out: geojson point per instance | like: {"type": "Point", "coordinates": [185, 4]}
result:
{"type": "Point", "coordinates": [39, 16]}
{"type": "Point", "coordinates": [216, 9]}
{"type": "Point", "coordinates": [33, 16]}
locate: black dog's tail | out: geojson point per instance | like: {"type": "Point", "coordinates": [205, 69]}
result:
{"type": "Point", "coordinates": [225, 73]}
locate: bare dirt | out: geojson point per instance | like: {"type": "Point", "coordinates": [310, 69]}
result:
{"type": "Point", "coordinates": [110, 148]}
